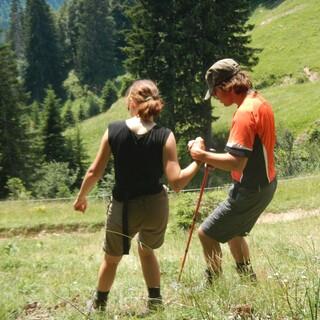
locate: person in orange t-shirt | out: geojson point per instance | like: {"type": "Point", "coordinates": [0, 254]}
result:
{"type": "Point", "coordinates": [250, 159]}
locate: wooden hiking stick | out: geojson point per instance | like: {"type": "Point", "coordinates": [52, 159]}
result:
{"type": "Point", "coordinates": [195, 216]}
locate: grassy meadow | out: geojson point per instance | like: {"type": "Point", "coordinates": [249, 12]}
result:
{"type": "Point", "coordinates": [288, 34]}
{"type": "Point", "coordinates": [49, 269]}
{"type": "Point", "coordinates": [50, 255]}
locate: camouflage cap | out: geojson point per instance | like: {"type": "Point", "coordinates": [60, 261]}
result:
{"type": "Point", "coordinates": [219, 72]}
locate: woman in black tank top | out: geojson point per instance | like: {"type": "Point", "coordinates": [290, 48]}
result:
{"type": "Point", "coordinates": [143, 152]}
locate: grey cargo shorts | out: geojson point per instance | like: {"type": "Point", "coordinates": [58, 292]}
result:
{"type": "Point", "coordinates": [237, 215]}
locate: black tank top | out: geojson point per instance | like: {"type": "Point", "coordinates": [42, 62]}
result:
{"type": "Point", "coordinates": [138, 161]}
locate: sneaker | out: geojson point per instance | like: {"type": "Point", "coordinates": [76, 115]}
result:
{"type": "Point", "coordinates": [95, 306]}
{"type": "Point", "coordinates": [155, 304]}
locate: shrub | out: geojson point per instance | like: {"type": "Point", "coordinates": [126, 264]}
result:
{"type": "Point", "coordinates": [123, 82]}
{"type": "Point", "coordinates": [297, 156]}
{"type": "Point", "coordinates": [73, 86]}
{"type": "Point", "coordinates": [186, 205]}
{"type": "Point", "coordinates": [55, 180]}
{"type": "Point", "coordinates": [109, 95]}
{"type": "Point", "coordinates": [93, 105]}
{"type": "Point", "coordinates": [17, 190]}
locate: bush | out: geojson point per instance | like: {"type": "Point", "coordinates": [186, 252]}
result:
{"type": "Point", "coordinates": [55, 181]}
{"type": "Point", "coordinates": [186, 205]}
{"type": "Point", "coordinates": [68, 115]}
{"type": "Point", "coordinates": [123, 82]}
{"type": "Point", "coordinates": [17, 190]}
{"type": "Point", "coordinates": [297, 156]}
{"type": "Point", "coordinates": [93, 105]}
{"type": "Point", "coordinates": [73, 86]}
{"type": "Point", "coordinates": [109, 95]}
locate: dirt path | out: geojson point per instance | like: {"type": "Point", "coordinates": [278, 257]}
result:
{"type": "Point", "coordinates": [288, 216]}
{"type": "Point", "coordinates": [63, 229]}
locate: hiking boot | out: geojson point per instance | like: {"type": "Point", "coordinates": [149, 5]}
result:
{"type": "Point", "coordinates": [155, 304]}
{"type": "Point", "coordinates": [97, 305]}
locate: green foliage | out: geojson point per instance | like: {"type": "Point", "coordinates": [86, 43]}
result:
{"type": "Point", "coordinates": [16, 145]}
{"type": "Point", "coordinates": [95, 57]}
{"type": "Point", "coordinates": [73, 87]}
{"type": "Point", "coordinates": [109, 95]}
{"type": "Point", "coordinates": [122, 23]}
{"type": "Point", "coordinates": [17, 190]}
{"type": "Point", "coordinates": [81, 113]}
{"type": "Point", "coordinates": [297, 156]}
{"type": "Point", "coordinates": [86, 32]}
{"type": "Point", "coordinates": [42, 52]}
{"type": "Point", "coordinates": [93, 105]}
{"type": "Point", "coordinates": [175, 48]}
{"type": "Point", "coordinates": [82, 101]}
{"type": "Point", "coordinates": [55, 180]}
{"type": "Point", "coordinates": [16, 30]}
{"type": "Point", "coordinates": [186, 205]}
{"type": "Point", "coordinates": [68, 116]}
{"type": "Point", "coordinates": [54, 142]}
{"type": "Point", "coordinates": [123, 82]}
{"type": "Point", "coordinates": [314, 132]}
{"type": "Point", "coordinates": [78, 158]}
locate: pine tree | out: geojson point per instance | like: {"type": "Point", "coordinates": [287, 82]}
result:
{"type": "Point", "coordinates": [81, 113]}
{"type": "Point", "coordinates": [175, 42]}
{"type": "Point", "coordinates": [16, 32]}
{"type": "Point", "coordinates": [122, 23]}
{"type": "Point", "coordinates": [54, 141]}
{"type": "Point", "coordinates": [95, 58]}
{"type": "Point", "coordinates": [43, 55]}
{"type": "Point", "coordinates": [68, 117]}
{"type": "Point", "coordinates": [16, 140]}
{"type": "Point", "coordinates": [68, 31]}
{"type": "Point", "coordinates": [109, 95]}
{"type": "Point", "coordinates": [78, 158]}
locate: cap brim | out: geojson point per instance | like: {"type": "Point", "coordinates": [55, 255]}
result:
{"type": "Point", "coordinates": [208, 95]}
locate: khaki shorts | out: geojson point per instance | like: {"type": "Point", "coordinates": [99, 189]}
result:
{"type": "Point", "coordinates": [147, 216]}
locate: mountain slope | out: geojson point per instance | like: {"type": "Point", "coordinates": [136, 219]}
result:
{"type": "Point", "coordinates": [289, 34]}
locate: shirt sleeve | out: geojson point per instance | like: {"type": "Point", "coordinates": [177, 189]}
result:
{"type": "Point", "coordinates": [242, 134]}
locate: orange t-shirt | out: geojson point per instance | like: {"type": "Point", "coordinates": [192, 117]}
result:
{"type": "Point", "coordinates": [252, 135]}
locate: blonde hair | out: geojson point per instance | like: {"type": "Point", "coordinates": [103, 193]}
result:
{"type": "Point", "coordinates": [240, 83]}
{"type": "Point", "coordinates": [146, 96]}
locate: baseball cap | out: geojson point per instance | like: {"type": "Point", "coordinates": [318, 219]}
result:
{"type": "Point", "coordinates": [219, 72]}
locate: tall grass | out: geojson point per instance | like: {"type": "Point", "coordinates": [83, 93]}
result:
{"type": "Point", "coordinates": [53, 275]}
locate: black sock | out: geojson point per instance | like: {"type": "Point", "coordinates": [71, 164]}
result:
{"type": "Point", "coordinates": [212, 274]}
{"type": "Point", "coordinates": [101, 297]}
{"type": "Point", "coordinates": [245, 267]}
{"type": "Point", "coordinates": [154, 293]}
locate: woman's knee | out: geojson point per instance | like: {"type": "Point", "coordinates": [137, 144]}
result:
{"type": "Point", "coordinates": [112, 259]}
